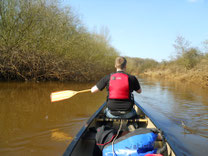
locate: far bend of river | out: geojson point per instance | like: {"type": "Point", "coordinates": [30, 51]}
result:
{"type": "Point", "coordinates": [31, 125]}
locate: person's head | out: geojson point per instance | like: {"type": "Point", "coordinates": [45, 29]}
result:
{"type": "Point", "coordinates": [120, 63]}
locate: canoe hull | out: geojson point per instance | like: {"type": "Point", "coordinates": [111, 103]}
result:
{"type": "Point", "coordinates": [84, 142]}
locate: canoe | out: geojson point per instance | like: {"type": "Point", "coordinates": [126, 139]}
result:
{"type": "Point", "coordinates": [84, 142]}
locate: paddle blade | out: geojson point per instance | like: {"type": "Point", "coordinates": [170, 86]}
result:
{"type": "Point", "coordinates": [62, 95]}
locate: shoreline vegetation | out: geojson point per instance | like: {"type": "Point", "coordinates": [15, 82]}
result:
{"type": "Point", "coordinates": [195, 76]}
{"type": "Point", "coordinates": [190, 65]}
{"type": "Point", "coordinates": [41, 41]}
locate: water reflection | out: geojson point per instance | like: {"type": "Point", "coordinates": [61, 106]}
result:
{"type": "Point", "coordinates": [57, 135]}
{"type": "Point", "coordinates": [31, 125]}
{"type": "Point", "coordinates": [181, 108]}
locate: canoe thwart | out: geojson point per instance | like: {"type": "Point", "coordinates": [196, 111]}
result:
{"type": "Point", "coordinates": [129, 120]}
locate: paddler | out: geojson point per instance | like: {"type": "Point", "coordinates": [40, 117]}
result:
{"type": "Point", "coordinates": [120, 86]}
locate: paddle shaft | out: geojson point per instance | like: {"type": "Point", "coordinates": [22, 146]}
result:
{"type": "Point", "coordinates": [82, 91]}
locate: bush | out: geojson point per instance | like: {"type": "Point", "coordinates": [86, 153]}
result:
{"type": "Point", "coordinates": [189, 58]}
{"type": "Point", "coordinates": [139, 65]}
{"type": "Point", "coordinates": [40, 41]}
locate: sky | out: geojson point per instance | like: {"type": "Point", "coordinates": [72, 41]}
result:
{"type": "Point", "coordinates": [146, 28]}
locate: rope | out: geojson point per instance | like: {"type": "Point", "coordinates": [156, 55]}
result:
{"type": "Point", "coordinates": [116, 136]}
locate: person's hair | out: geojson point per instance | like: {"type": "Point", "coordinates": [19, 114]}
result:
{"type": "Point", "coordinates": [120, 62]}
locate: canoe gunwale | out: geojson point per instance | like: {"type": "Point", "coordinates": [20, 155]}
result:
{"type": "Point", "coordinates": [74, 142]}
{"type": "Point", "coordinates": [156, 125]}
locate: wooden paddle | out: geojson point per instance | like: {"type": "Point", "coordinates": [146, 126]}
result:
{"type": "Point", "coordinates": [66, 94]}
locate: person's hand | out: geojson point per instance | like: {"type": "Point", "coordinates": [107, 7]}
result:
{"type": "Point", "coordinates": [94, 89]}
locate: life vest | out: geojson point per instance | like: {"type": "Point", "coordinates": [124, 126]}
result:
{"type": "Point", "coordinates": [119, 86]}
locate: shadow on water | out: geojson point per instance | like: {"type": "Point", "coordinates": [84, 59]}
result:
{"type": "Point", "coordinates": [181, 111]}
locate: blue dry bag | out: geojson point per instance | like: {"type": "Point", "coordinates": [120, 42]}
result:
{"type": "Point", "coordinates": [137, 143]}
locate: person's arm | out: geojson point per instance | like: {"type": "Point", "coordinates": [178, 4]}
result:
{"type": "Point", "coordinates": [137, 87]}
{"type": "Point", "coordinates": [94, 89]}
{"type": "Point", "coordinates": [100, 85]}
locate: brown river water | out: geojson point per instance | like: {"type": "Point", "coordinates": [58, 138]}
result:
{"type": "Point", "coordinates": [31, 125]}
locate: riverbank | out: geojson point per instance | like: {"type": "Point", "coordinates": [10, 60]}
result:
{"type": "Point", "coordinates": [194, 76]}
